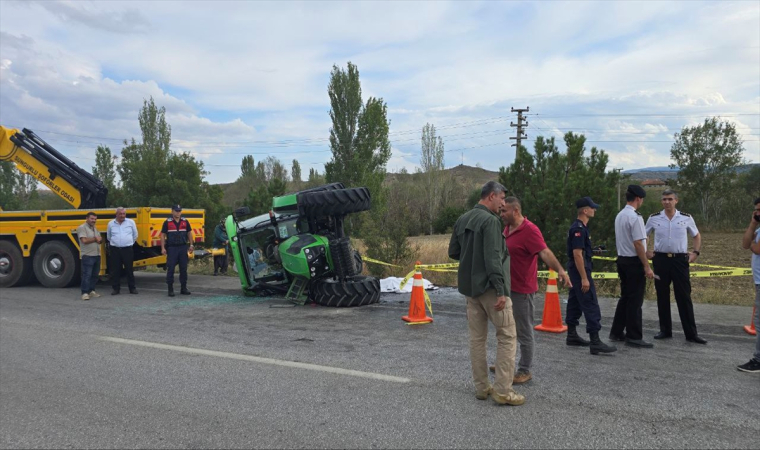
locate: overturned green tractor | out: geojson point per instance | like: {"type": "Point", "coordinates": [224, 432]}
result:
{"type": "Point", "coordinates": [300, 249]}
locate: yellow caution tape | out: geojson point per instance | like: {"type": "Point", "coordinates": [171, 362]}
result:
{"type": "Point", "coordinates": [437, 266]}
{"type": "Point", "coordinates": [428, 302]}
{"type": "Point", "coordinates": [607, 258]}
{"type": "Point", "coordinates": [368, 259]}
{"type": "Point", "coordinates": [406, 280]}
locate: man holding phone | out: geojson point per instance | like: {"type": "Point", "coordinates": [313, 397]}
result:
{"type": "Point", "coordinates": [751, 241]}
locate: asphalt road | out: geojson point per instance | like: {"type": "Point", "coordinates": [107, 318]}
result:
{"type": "Point", "coordinates": [216, 369]}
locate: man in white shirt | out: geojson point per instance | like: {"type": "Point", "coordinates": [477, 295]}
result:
{"type": "Point", "coordinates": [122, 235]}
{"type": "Point", "coordinates": [671, 261]}
{"type": "Point", "coordinates": [633, 269]}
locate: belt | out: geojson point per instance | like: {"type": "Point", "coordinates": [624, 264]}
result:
{"type": "Point", "coordinates": [672, 255]}
{"type": "Point", "coordinates": [628, 257]}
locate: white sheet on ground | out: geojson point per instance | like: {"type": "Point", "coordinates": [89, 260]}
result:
{"type": "Point", "coordinates": [391, 284]}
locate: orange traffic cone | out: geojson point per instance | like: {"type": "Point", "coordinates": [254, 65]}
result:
{"type": "Point", "coordinates": [552, 320]}
{"type": "Point", "coordinates": [750, 329]}
{"type": "Point", "coordinates": [417, 313]}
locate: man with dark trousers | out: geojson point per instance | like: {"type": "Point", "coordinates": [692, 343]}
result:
{"type": "Point", "coordinates": [582, 298]}
{"type": "Point", "coordinates": [671, 264]}
{"type": "Point", "coordinates": [633, 270]}
{"type": "Point", "coordinates": [121, 234]}
{"type": "Point", "coordinates": [176, 234]}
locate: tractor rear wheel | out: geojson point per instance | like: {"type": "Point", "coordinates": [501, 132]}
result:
{"type": "Point", "coordinates": [354, 291]}
{"type": "Point", "coordinates": [336, 202]}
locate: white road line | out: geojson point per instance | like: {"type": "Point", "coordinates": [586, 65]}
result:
{"type": "Point", "coordinates": [274, 362]}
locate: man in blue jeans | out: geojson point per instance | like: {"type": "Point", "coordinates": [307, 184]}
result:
{"type": "Point", "coordinates": [751, 241]}
{"type": "Point", "coordinates": [89, 251]}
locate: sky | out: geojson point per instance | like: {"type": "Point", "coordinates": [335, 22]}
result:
{"type": "Point", "coordinates": [250, 78]}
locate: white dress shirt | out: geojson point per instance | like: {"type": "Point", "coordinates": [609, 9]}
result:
{"type": "Point", "coordinates": [629, 227]}
{"type": "Point", "coordinates": [122, 234]}
{"type": "Point", "coordinates": [670, 235]}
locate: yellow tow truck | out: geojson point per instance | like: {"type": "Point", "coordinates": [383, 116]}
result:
{"type": "Point", "coordinates": [44, 244]}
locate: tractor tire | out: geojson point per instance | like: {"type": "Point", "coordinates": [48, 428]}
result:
{"type": "Point", "coordinates": [55, 265]}
{"type": "Point", "coordinates": [355, 291]}
{"type": "Point", "coordinates": [15, 270]}
{"type": "Point", "coordinates": [358, 263]}
{"type": "Point", "coordinates": [336, 202]}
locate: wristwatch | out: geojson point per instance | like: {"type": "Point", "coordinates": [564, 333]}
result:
{"type": "Point", "coordinates": [696, 251]}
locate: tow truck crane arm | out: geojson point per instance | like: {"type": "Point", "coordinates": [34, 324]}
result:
{"type": "Point", "coordinates": [37, 158]}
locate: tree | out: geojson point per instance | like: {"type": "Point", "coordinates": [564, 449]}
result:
{"type": "Point", "coordinates": [8, 182]}
{"type": "Point", "coordinates": [154, 175]}
{"type": "Point", "coordinates": [295, 173]}
{"type": "Point", "coordinates": [105, 168]}
{"type": "Point", "coordinates": [105, 171]}
{"type": "Point", "coordinates": [549, 182]}
{"type": "Point", "coordinates": [358, 140]}
{"type": "Point", "coordinates": [247, 167]}
{"type": "Point", "coordinates": [432, 164]}
{"type": "Point", "coordinates": [315, 178]}
{"type": "Point", "coordinates": [145, 165]}
{"type": "Point", "coordinates": [359, 134]}
{"type": "Point", "coordinates": [707, 156]}
{"type": "Point", "coordinates": [270, 178]}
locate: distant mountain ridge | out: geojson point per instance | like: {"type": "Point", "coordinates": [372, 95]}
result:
{"type": "Point", "coordinates": [666, 173]}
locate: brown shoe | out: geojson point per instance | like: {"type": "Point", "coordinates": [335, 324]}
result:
{"type": "Point", "coordinates": [522, 376]}
{"type": "Point", "coordinates": [512, 398]}
{"type": "Point", "coordinates": [483, 395]}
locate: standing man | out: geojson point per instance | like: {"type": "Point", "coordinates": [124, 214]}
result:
{"type": "Point", "coordinates": [121, 235]}
{"type": "Point", "coordinates": [582, 298]}
{"type": "Point", "coordinates": [633, 269]}
{"type": "Point", "coordinates": [89, 252]}
{"type": "Point", "coordinates": [483, 278]}
{"type": "Point", "coordinates": [525, 244]}
{"type": "Point", "coordinates": [671, 263]}
{"type": "Point", "coordinates": [751, 241]}
{"type": "Point", "coordinates": [220, 241]}
{"type": "Point", "coordinates": [176, 233]}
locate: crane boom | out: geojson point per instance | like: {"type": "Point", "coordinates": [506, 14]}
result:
{"type": "Point", "coordinates": [35, 157]}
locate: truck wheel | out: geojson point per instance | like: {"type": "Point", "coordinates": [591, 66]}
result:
{"type": "Point", "coordinates": [55, 265]}
{"type": "Point", "coordinates": [337, 202]}
{"type": "Point", "coordinates": [355, 291]}
{"type": "Point", "coordinates": [15, 270]}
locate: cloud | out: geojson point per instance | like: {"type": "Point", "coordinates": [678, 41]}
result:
{"type": "Point", "coordinates": [626, 74]}
{"type": "Point", "coordinates": [126, 21]}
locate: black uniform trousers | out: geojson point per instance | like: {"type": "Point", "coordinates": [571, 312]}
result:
{"type": "Point", "coordinates": [176, 255]}
{"type": "Point", "coordinates": [674, 269]}
{"type": "Point", "coordinates": [579, 303]}
{"type": "Point", "coordinates": [627, 321]}
{"type": "Point", "coordinates": [121, 256]}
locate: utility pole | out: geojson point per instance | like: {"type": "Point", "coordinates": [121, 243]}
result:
{"type": "Point", "coordinates": [521, 123]}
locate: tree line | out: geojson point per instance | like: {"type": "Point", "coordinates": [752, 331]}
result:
{"type": "Point", "coordinates": [547, 179]}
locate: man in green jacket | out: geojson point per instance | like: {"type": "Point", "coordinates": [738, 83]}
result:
{"type": "Point", "coordinates": [483, 278]}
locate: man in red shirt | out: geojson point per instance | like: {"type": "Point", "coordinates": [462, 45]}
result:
{"type": "Point", "coordinates": [525, 244]}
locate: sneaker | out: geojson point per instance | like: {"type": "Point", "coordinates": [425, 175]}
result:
{"type": "Point", "coordinates": [752, 366]}
{"type": "Point", "coordinates": [522, 376]}
{"type": "Point", "coordinates": [85, 297]}
{"type": "Point", "coordinates": [94, 294]}
{"type": "Point", "coordinates": [512, 398]}
{"type": "Point", "coordinates": [484, 394]}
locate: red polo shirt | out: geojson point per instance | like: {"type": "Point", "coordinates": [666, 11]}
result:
{"type": "Point", "coordinates": [524, 244]}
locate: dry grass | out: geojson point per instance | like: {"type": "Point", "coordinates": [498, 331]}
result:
{"type": "Point", "coordinates": [722, 249]}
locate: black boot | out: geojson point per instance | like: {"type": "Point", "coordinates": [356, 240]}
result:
{"type": "Point", "coordinates": [184, 290]}
{"type": "Point", "coordinates": [171, 291]}
{"type": "Point", "coordinates": [597, 346]}
{"type": "Point", "coordinates": [573, 339]}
